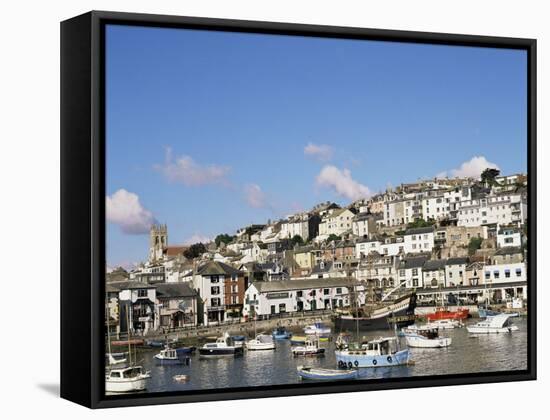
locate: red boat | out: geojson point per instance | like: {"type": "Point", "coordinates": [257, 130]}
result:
{"type": "Point", "coordinates": [443, 313]}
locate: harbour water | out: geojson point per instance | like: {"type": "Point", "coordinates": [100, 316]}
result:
{"type": "Point", "coordinates": [468, 354]}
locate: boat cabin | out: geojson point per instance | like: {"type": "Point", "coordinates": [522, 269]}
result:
{"type": "Point", "coordinates": [381, 346]}
{"type": "Point", "coordinates": [168, 354]}
{"type": "Point", "coordinates": [128, 373]}
{"type": "Point", "coordinates": [429, 333]}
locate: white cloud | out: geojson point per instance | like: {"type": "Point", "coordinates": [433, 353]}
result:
{"type": "Point", "coordinates": [196, 238]}
{"type": "Point", "coordinates": [342, 183]}
{"type": "Point", "coordinates": [186, 171]}
{"type": "Point", "coordinates": [124, 209]}
{"type": "Point", "coordinates": [321, 152]}
{"type": "Point", "coordinates": [471, 168]}
{"type": "Point", "coordinates": [255, 197]}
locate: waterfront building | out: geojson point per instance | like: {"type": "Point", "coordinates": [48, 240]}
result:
{"type": "Point", "coordinates": [410, 271]}
{"type": "Point", "coordinates": [455, 271]}
{"type": "Point", "coordinates": [378, 270]}
{"type": "Point", "coordinates": [433, 274]}
{"type": "Point", "coordinates": [136, 306]}
{"type": "Point", "coordinates": [216, 300]}
{"type": "Point", "coordinates": [273, 298]}
{"type": "Point", "coordinates": [505, 272]}
{"type": "Point", "coordinates": [176, 305]}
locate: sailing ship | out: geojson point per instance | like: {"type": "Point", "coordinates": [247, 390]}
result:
{"type": "Point", "coordinates": [399, 313]}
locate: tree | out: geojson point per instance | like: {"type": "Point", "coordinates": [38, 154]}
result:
{"type": "Point", "coordinates": [194, 251]}
{"type": "Point", "coordinates": [488, 176]}
{"type": "Point", "coordinates": [418, 223]}
{"type": "Point", "coordinates": [297, 240]}
{"type": "Point", "coordinates": [474, 245]}
{"type": "Point", "coordinates": [333, 237]}
{"type": "Point", "coordinates": [223, 237]}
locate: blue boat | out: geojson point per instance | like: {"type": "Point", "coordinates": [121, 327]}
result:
{"type": "Point", "coordinates": [170, 356]}
{"type": "Point", "coordinates": [485, 312]}
{"type": "Point", "coordinates": [382, 352]}
{"type": "Point", "coordinates": [185, 350]}
{"type": "Point", "coordinates": [280, 333]}
{"type": "Point", "coordinates": [326, 374]}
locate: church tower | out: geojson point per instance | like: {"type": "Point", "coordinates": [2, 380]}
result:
{"type": "Point", "coordinates": [158, 240]}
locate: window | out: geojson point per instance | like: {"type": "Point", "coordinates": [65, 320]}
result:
{"type": "Point", "coordinates": [518, 272]}
{"type": "Point", "coordinates": [339, 290]}
{"type": "Point", "coordinates": [450, 274]}
{"type": "Point", "coordinates": [215, 290]}
{"type": "Point", "coordinates": [142, 292]}
{"type": "Point", "coordinates": [415, 282]}
{"type": "Point", "coordinates": [401, 273]}
{"type": "Point", "coordinates": [234, 300]}
{"type": "Point", "coordinates": [214, 279]}
{"type": "Point", "coordinates": [215, 302]}
{"type": "Point", "coordinates": [496, 274]}
{"type": "Point", "coordinates": [234, 288]}
{"type": "Point", "coordinates": [282, 307]}
{"type": "Point", "coordinates": [487, 275]}
{"type": "Point", "coordinates": [326, 291]}
{"type": "Point", "coordinates": [507, 273]}
{"type": "Point", "coordinates": [314, 293]}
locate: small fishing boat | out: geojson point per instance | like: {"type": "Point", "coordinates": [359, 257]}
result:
{"type": "Point", "coordinates": [444, 313]}
{"type": "Point", "coordinates": [493, 325]}
{"type": "Point", "coordinates": [168, 356]}
{"type": "Point", "coordinates": [427, 337]}
{"type": "Point", "coordinates": [223, 347]}
{"type": "Point", "coordinates": [281, 333]}
{"type": "Point", "coordinates": [309, 348]}
{"type": "Point", "coordinates": [130, 379]}
{"type": "Point", "coordinates": [317, 329]}
{"type": "Point", "coordinates": [261, 342]}
{"type": "Point", "coordinates": [326, 374]}
{"type": "Point", "coordinates": [381, 352]}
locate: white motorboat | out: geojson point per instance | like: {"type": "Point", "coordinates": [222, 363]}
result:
{"type": "Point", "coordinates": [261, 342]}
{"type": "Point", "coordinates": [130, 379]}
{"type": "Point", "coordinates": [427, 337]}
{"type": "Point", "coordinates": [310, 348]}
{"type": "Point", "coordinates": [446, 324]}
{"type": "Point", "coordinates": [317, 329]}
{"type": "Point", "coordinates": [493, 325]}
{"type": "Point", "coordinates": [223, 347]}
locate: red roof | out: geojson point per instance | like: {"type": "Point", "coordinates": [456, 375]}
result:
{"type": "Point", "coordinates": [173, 251]}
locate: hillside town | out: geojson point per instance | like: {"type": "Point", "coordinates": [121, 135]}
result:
{"type": "Point", "coordinates": [459, 241]}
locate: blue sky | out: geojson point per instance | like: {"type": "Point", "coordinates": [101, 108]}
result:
{"type": "Point", "coordinates": [207, 131]}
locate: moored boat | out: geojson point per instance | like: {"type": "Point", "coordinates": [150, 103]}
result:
{"type": "Point", "coordinates": [223, 347]}
{"type": "Point", "coordinates": [130, 379]}
{"type": "Point", "coordinates": [326, 374]}
{"type": "Point", "coordinates": [131, 342]}
{"type": "Point", "coordinates": [317, 329]}
{"type": "Point", "coordinates": [445, 313]}
{"type": "Point", "coordinates": [399, 313]}
{"type": "Point", "coordinates": [381, 352]}
{"type": "Point", "coordinates": [281, 333]}
{"type": "Point", "coordinates": [427, 337]}
{"type": "Point", "coordinates": [493, 325]}
{"type": "Point", "coordinates": [168, 356]}
{"type": "Point", "coordinates": [261, 342]}
{"type": "Point", "coordinates": [309, 348]}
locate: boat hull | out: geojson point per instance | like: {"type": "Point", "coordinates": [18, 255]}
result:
{"type": "Point", "coordinates": [327, 374]}
{"type": "Point", "coordinates": [128, 385]}
{"type": "Point", "coordinates": [425, 343]}
{"type": "Point", "coordinates": [308, 352]}
{"type": "Point", "coordinates": [220, 352]}
{"type": "Point", "coordinates": [352, 359]}
{"type": "Point", "coordinates": [260, 346]}
{"type": "Point", "coordinates": [459, 314]}
{"type": "Point", "coordinates": [485, 330]}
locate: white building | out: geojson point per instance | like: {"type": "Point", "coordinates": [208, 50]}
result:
{"type": "Point", "coordinates": [394, 213]}
{"type": "Point", "coordinates": [363, 225]}
{"type": "Point", "coordinates": [302, 224]}
{"type": "Point", "coordinates": [503, 209]}
{"type": "Point", "coordinates": [419, 240]}
{"type": "Point", "coordinates": [410, 272]}
{"type": "Point", "coordinates": [335, 221]}
{"type": "Point", "coordinates": [433, 273]}
{"type": "Point", "coordinates": [271, 298]}
{"type": "Point", "coordinates": [504, 273]}
{"type": "Point", "coordinates": [508, 236]}
{"type": "Point", "coordinates": [455, 271]}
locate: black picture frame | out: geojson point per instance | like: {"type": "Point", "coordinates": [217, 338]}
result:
{"type": "Point", "coordinates": [83, 204]}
